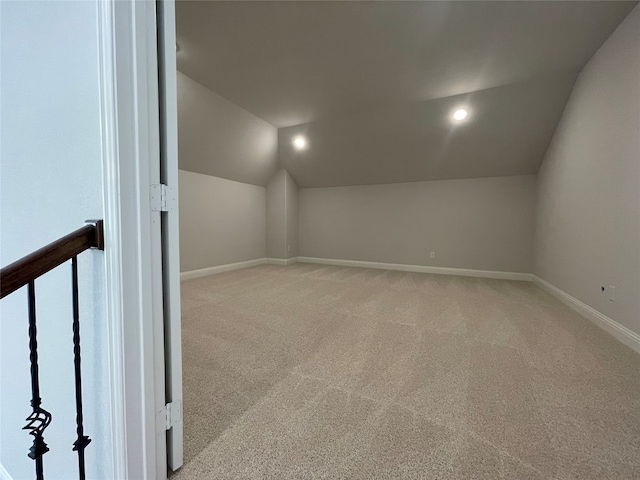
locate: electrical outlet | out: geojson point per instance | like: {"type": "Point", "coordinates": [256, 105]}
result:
{"type": "Point", "coordinates": [612, 293]}
{"type": "Point", "coordinates": [432, 255]}
{"type": "Point", "coordinates": [289, 249]}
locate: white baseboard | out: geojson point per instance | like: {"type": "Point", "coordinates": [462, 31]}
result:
{"type": "Point", "coordinates": [282, 261]}
{"type": "Point", "coordinates": [4, 475]}
{"type": "Point", "coordinates": [203, 272]}
{"type": "Point", "coordinates": [622, 333]}
{"type": "Point", "coordinates": [420, 269]}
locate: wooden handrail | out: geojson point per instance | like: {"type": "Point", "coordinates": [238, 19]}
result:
{"type": "Point", "coordinates": [27, 269]}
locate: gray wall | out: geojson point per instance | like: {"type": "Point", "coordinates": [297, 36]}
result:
{"type": "Point", "coordinates": [291, 207]}
{"type": "Point", "coordinates": [282, 216]}
{"type": "Point", "coordinates": [218, 138]}
{"type": "Point", "coordinates": [51, 182]}
{"type": "Point", "coordinates": [226, 156]}
{"type": "Point", "coordinates": [276, 216]}
{"type": "Point", "coordinates": [221, 221]}
{"type": "Point", "coordinates": [588, 223]}
{"type": "Point", "coordinates": [484, 224]}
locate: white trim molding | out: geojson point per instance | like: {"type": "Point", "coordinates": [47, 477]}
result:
{"type": "Point", "coordinates": [622, 333]}
{"type": "Point", "coordinates": [113, 246]}
{"type": "Point", "coordinates": [282, 261]}
{"type": "Point", "coordinates": [464, 272]}
{"type": "Point", "coordinates": [4, 475]}
{"type": "Point", "coordinates": [203, 272]}
{"type": "Point", "coordinates": [172, 340]}
{"type": "Point", "coordinates": [130, 119]}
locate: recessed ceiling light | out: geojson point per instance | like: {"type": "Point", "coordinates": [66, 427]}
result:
{"type": "Point", "coordinates": [300, 142]}
{"type": "Point", "coordinates": [460, 114]}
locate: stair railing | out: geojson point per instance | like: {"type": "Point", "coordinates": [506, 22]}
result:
{"type": "Point", "coordinates": [24, 272]}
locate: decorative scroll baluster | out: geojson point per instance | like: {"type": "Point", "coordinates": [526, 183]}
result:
{"type": "Point", "coordinates": [82, 441]}
{"type": "Point", "coordinates": [39, 418]}
{"type": "Point", "coordinates": [23, 273]}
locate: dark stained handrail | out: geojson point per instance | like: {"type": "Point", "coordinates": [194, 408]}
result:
{"type": "Point", "coordinates": [24, 272]}
{"type": "Point", "coordinates": [27, 269]}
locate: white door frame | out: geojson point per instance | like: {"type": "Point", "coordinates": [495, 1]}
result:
{"type": "Point", "coordinates": [130, 146]}
{"type": "Point", "coordinates": [168, 84]}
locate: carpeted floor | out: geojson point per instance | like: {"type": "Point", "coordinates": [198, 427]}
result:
{"type": "Point", "coordinates": [320, 372]}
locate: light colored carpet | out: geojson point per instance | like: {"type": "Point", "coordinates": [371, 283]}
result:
{"type": "Point", "coordinates": [321, 372]}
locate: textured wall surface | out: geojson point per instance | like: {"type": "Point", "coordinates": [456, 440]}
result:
{"type": "Point", "coordinates": [484, 224]}
{"type": "Point", "coordinates": [277, 216]}
{"type": "Point", "coordinates": [588, 223]}
{"type": "Point", "coordinates": [51, 182]}
{"type": "Point", "coordinates": [291, 206]}
{"type": "Point", "coordinates": [221, 221]}
{"type": "Point", "coordinates": [218, 138]}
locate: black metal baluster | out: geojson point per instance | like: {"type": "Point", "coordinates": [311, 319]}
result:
{"type": "Point", "coordinates": [81, 443]}
{"type": "Point", "coordinates": [39, 418]}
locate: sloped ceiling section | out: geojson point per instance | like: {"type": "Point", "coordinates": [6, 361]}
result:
{"type": "Point", "coordinates": [508, 131]}
{"type": "Point", "coordinates": [218, 138]}
{"type": "Point", "coordinates": [371, 84]}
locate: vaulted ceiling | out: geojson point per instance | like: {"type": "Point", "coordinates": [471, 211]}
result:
{"type": "Point", "coordinates": [371, 84]}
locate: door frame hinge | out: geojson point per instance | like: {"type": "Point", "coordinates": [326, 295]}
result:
{"type": "Point", "coordinates": [163, 198]}
{"type": "Point", "coordinates": [170, 415]}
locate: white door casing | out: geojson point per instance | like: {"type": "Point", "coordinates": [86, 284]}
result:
{"type": "Point", "coordinates": [130, 113]}
{"type": "Point", "coordinates": [170, 226]}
